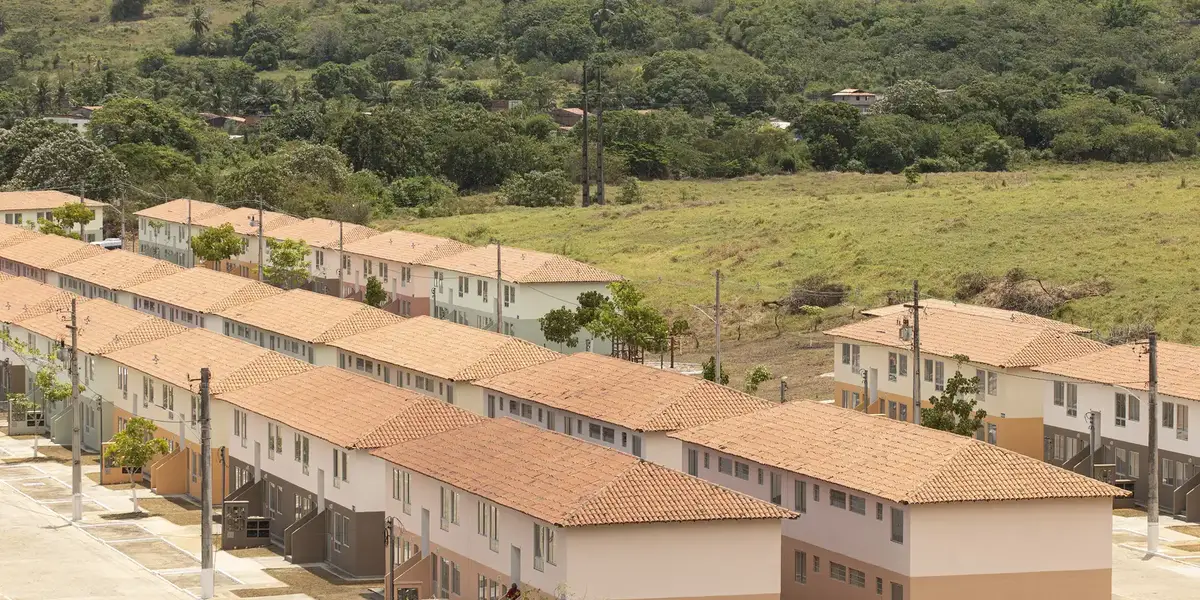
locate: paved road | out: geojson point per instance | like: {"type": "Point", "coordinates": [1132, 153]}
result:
{"type": "Point", "coordinates": [44, 557]}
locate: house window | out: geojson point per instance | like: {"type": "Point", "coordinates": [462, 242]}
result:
{"type": "Point", "coordinates": [904, 412]}
{"type": "Point", "coordinates": [543, 546]}
{"type": "Point", "coordinates": [1122, 461]}
{"type": "Point", "coordinates": [1168, 416]}
{"type": "Point", "coordinates": [878, 511]}
{"type": "Point", "coordinates": [406, 492]}
{"type": "Point", "coordinates": [993, 383]}
{"type": "Point", "coordinates": [897, 591]}
{"type": "Point", "coordinates": [1072, 401]}
{"type": "Point", "coordinates": [939, 375]}
{"type": "Point", "coordinates": [1060, 393]}
{"type": "Point", "coordinates": [801, 566]}
{"type": "Point", "coordinates": [904, 365]}
{"type": "Point", "coordinates": [837, 571]}
{"type": "Point", "coordinates": [801, 493]}
{"type": "Point", "coordinates": [693, 462]}
{"type": "Point", "coordinates": [1181, 421]}
{"type": "Point", "coordinates": [837, 499]}
{"type": "Point", "coordinates": [1168, 471]}
{"type": "Point", "coordinates": [893, 365]}
{"type": "Point", "coordinates": [845, 354]}
{"type": "Point", "coordinates": [777, 489]}
{"type": "Point", "coordinates": [488, 516]}
{"type": "Point", "coordinates": [609, 435]}
{"type": "Point", "coordinates": [741, 470]}
{"type": "Point", "coordinates": [897, 525]}
{"type": "Point", "coordinates": [878, 586]}
{"type": "Point", "coordinates": [449, 512]}
{"type": "Point", "coordinates": [706, 460]}
{"type": "Point", "coordinates": [858, 505]}
{"type": "Point", "coordinates": [724, 465]}
{"type": "Point", "coordinates": [929, 369]}
{"type": "Point", "coordinates": [526, 411]}
{"type": "Point", "coordinates": [1135, 408]}
{"type": "Point", "coordinates": [816, 564]}
{"type": "Point", "coordinates": [854, 355]}
{"type": "Point", "coordinates": [858, 578]}
{"type": "Point", "coordinates": [816, 493]}
{"type": "Point", "coordinates": [991, 434]}
{"type": "Point", "coordinates": [1119, 410]}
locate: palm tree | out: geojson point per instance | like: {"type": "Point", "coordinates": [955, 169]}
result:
{"type": "Point", "coordinates": [199, 21]}
{"type": "Point", "coordinates": [255, 4]}
{"type": "Point", "coordinates": [383, 92]}
{"type": "Point", "coordinates": [264, 94]}
{"type": "Point", "coordinates": [41, 94]}
{"type": "Point", "coordinates": [216, 99]}
{"type": "Point", "coordinates": [62, 98]}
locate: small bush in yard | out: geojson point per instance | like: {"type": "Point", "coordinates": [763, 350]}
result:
{"type": "Point", "coordinates": [538, 188]}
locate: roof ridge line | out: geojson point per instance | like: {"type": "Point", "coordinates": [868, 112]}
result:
{"type": "Point", "coordinates": [586, 501]}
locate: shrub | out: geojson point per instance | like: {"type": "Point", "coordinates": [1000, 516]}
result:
{"type": "Point", "coordinates": [815, 290]}
{"type": "Point", "coordinates": [969, 285]}
{"type": "Point", "coordinates": [709, 368]}
{"type": "Point", "coordinates": [263, 56]}
{"type": "Point", "coordinates": [994, 154]}
{"type": "Point", "coordinates": [420, 191]}
{"type": "Point", "coordinates": [127, 10]}
{"type": "Point", "coordinates": [538, 188]}
{"type": "Point", "coordinates": [631, 192]}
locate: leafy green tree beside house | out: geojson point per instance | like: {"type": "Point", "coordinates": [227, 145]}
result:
{"type": "Point", "coordinates": [216, 244]}
{"type": "Point", "coordinates": [133, 448]}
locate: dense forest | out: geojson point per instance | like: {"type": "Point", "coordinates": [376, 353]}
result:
{"type": "Point", "coordinates": [380, 106]}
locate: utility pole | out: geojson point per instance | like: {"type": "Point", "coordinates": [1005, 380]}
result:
{"type": "Point", "coordinates": [4, 387]}
{"type": "Point", "coordinates": [1152, 472]}
{"type": "Point", "coordinates": [783, 386]}
{"type": "Point", "coordinates": [389, 534]}
{"type": "Point", "coordinates": [717, 323]}
{"type": "Point", "coordinates": [600, 134]}
{"type": "Point", "coordinates": [916, 336]}
{"type": "Point", "coordinates": [76, 418]}
{"type": "Point", "coordinates": [260, 238]}
{"type": "Point", "coordinates": [82, 237]}
{"type": "Point", "coordinates": [499, 290]}
{"type": "Point", "coordinates": [341, 261]}
{"type": "Point", "coordinates": [191, 255]}
{"type": "Point", "coordinates": [121, 211]}
{"type": "Point", "coordinates": [866, 393]}
{"type": "Point", "coordinates": [587, 183]}
{"type": "Point", "coordinates": [206, 508]}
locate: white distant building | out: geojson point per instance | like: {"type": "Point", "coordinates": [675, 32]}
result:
{"type": "Point", "coordinates": [860, 99]}
{"type": "Point", "coordinates": [24, 208]}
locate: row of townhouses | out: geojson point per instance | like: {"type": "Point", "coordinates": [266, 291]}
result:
{"type": "Point", "coordinates": [1049, 392]}
{"type": "Point", "coordinates": [24, 208]}
{"type": "Point", "coordinates": [422, 275]}
{"type": "Point", "coordinates": [569, 475]}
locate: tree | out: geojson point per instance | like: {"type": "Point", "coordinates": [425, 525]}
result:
{"type": "Point", "coordinates": [709, 370]}
{"type": "Point", "coordinates": [590, 305]}
{"type": "Point", "coordinates": [25, 42]}
{"type": "Point", "coordinates": [127, 10]}
{"type": "Point", "coordinates": [679, 328]}
{"type": "Point", "coordinates": [263, 56]}
{"type": "Point", "coordinates": [133, 448]}
{"type": "Point", "coordinates": [560, 326]}
{"type": "Point", "coordinates": [755, 377]}
{"type": "Point", "coordinates": [288, 265]}
{"type": "Point", "coordinates": [65, 219]}
{"type": "Point", "coordinates": [633, 327]}
{"type": "Point", "coordinates": [216, 244]}
{"type": "Point", "coordinates": [375, 295]}
{"type": "Point", "coordinates": [137, 120]}
{"type": "Point", "coordinates": [263, 96]}
{"type": "Point", "coordinates": [994, 155]}
{"type": "Point", "coordinates": [538, 188]}
{"type": "Point", "coordinates": [20, 141]}
{"type": "Point", "coordinates": [913, 97]}
{"type": "Point", "coordinates": [199, 21]}
{"type": "Point", "coordinates": [67, 160]}
{"type": "Point", "coordinates": [954, 410]}
{"type": "Point", "coordinates": [251, 181]}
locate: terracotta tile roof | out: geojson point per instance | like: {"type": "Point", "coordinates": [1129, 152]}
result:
{"type": "Point", "coordinates": [22, 298]}
{"type": "Point", "coordinates": [50, 251]}
{"type": "Point", "coordinates": [176, 211]}
{"type": "Point", "coordinates": [406, 247]}
{"type": "Point", "coordinates": [118, 269]}
{"type": "Point", "coordinates": [569, 482]}
{"type": "Point", "coordinates": [975, 309]}
{"type": "Point", "coordinates": [899, 461]}
{"type": "Point", "coordinates": [103, 326]}
{"type": "Point", "coordinates": [523, 266]}
{"type": "Point", "coordinates": [204, 290]}
{"type": "Point", "coordinates": [636, 396]}
{"type": "Point", "coordinates": [986, 340]}
{"type": "Point", "coordinates": [40, 200]}
{"type": "Point", "coordinates": [1129, 366]}
{"type": "Point", "coordinates": [11, 236]}
{"type": "Point", "coordinates": [245, 220]}
{"type": "Point", "coordinates": [323, 233]}
{"type": "Point", "coordinates": [310, 317]}
{"type": "Point", "coordinates": [446, 350]}
{"type": "Point", "coordinates": [349, 410]}
{"type": "Point", "coordinates": [177, 359]}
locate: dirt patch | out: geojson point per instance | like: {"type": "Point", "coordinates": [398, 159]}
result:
{"type": "Point", "coordinates": [191, 581]}
{"type": "Point", "coordinates": [260, 552]}
{"type": "Point", "coordinates": [175, 510]}
{"type": "Point", "coordinates": [1192, 530]}
{"type": "Point", "coordinates": [1187, 547]}
{"type": "Point", "coordinates": [95, 477]}
{"type": "Point", "coordinates": [10, 473]}
{"type": "Point", "coordinates": [318, 584]}
{"type": "Point", "coordinates": [62, 454]}
{"type": "Point", "coordinates": [116, 532]}
{"type": "Point", "coordinates": [1128, 538]}
{"type": "Point", "coordinates": [1129, 512]}
{"type": "Point", "coordinates": [43, 488]}
{"type": "Point", "coordinates": [27, 459]}
{"type": "Point", "coordinates": [66, 508]}
{"type": "Point", "coordinates": [156, 554]}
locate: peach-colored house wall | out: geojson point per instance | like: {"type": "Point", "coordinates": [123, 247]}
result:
{"type": "Point", "coordinates": [676, 560]}
{"type": "Point", "coordinates": [1011, 537]}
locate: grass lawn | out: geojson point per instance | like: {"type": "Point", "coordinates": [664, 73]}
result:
{"type": "Point", "coordinates": [1133, 226]}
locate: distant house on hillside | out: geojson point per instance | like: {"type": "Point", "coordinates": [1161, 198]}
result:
{"type": "Point", "coordinates": [77, 117]}
{"type": "Point", "coordinates": [566, 117]}
{"type": "Point", "coordinates": [504, 105]}
{"type": "Point", "coordinates": [860, 99]}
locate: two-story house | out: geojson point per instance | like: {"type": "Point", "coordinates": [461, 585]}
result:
{"type": "Point", "coordinates": [312, 474]}
{"type": "Point", "coordinates": [1108, 391]}
{"type": "Point", "coordinates": [102, 327]}
{"type": "Point", "coordinates": [873, 358]}
{"type": "Point", "coordinates": [529, 285]}
{"type": "Point", "coordinates": [616, 403]}
{"type": "Point", "coordinates": [196, 297]}
{"type": "Point", "coordinates": [859, 99]}
{"type": "Point", "coordinates": [302, 324]}
{"type": "Point", "coordinates": [326, 240]}
{"type": "Point", "coordinates": [110, 275]}
{"type": "Point", "coordinates": [38, 257]}
{"type": "Point", "coordinates": [398, 260]}
{"type": "Point", "coordinates": [437, 358]}
{"type": "Point", "coordinates": [163, 230]}
{"type": "Point", "coordinates": [559, 517]}
{"type": "Point", "coordinates": [245, 224]}
{"type": "Point", "coordinates": [884, 506]}
{"type": "Point", "coordinates": [159, 380]}
{"type": "Point", "coordinates": [24, 208]}
{"type": "Point", "coordinates": [22, 299]}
